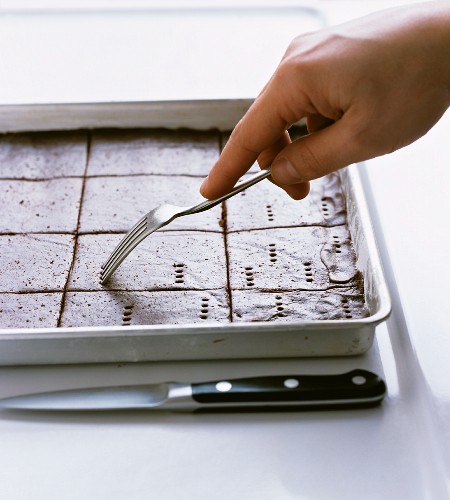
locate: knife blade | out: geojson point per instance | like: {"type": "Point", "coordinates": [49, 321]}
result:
{"type": "Point", "coordinates": [357, 388]}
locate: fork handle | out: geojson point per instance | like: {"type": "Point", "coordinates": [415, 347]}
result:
{"type": "Point", "coordinates": [205, 205]}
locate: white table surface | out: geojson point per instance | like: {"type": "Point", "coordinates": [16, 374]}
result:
{"type": "Point", "coordinates": [400, 450]}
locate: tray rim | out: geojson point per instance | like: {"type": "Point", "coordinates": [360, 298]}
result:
{"type": "Point", "coordinates": [199, 114]}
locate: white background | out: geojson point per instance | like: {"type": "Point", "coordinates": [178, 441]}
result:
{"type": "Point", "coordinates": [400, 450]}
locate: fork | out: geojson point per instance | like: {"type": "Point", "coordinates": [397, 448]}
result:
{"type": "Point", "coordinates": [161, 216]}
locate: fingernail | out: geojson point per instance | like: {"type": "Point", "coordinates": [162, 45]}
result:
{"type": "Point", "coordinates": [283, 172]}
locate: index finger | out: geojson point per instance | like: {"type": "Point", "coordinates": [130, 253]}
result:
{"type": "Point", "coordinates": [262, 126]}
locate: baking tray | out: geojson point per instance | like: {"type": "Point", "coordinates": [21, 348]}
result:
{"type": "Point", "coordinates": [222, 341]}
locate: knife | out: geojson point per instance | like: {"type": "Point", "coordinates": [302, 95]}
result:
{"type": "Point", "coordinates": [354, 389]}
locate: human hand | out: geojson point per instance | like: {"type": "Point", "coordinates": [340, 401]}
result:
{"type": "Point", "coordinates": [366, 88]}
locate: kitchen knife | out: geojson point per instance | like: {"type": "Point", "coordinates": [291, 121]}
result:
{"type": "Point", "coordinates": [357, 388]}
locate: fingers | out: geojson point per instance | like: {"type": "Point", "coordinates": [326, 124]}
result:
{"type": "Point", "coordinates": [267, 156]}
{"type": "Point", "coordinates": [265, 159]}
{"type": "Point", "coordinates": [234, 161]}
{"type": "Point", "coordinates": [263, 127]}
{"type": "Point", "coordinates": [317, 154]}
{"type": "Point", "coordinates": [310, 157]}
{"type": "Point", "coordinates": [315, 122]}
{"type": "Point", "coordinates": [298, 191]}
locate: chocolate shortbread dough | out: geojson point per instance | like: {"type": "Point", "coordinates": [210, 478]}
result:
{"type": "Point", "coordinates": [266, 205]}
{"type": "Point", "coordinates": [340, 303]}
{"type": "Point", "coordinates": [43, 155]}
{"type": "Point", "coordinates": [116, 203]}
{"type": "Point", "coordinates": [164, 261]}
{"type": "Point", "coordinates": [70, 197]}
{"type": "Point", "coordinates": [35, 262]}
{"type": "Point", "coordinates": [26, 310]}
{"type": "Point", "coordinates": [39, 205]}
{"type": "Point", "coordinates": [145, 308]}
{"type": "Point", "coordinates": [302, 258]}
{"type": "Point", "coordinates": [164, 152]}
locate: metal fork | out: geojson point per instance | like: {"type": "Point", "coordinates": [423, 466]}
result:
{"type": "Point", "coordinates": [161, 216]}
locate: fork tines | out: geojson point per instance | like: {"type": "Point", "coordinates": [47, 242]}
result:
{"type": "Point", "coordinates": [130, 241]}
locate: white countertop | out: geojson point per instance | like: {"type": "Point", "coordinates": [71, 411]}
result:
{"type": "Point", "coordinates": [400, 450]}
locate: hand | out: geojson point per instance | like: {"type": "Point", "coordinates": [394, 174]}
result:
{"type": "Point", "coordinates": [366, 88]}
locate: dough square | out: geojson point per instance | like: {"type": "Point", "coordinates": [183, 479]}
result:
{"type": "Point", "coordinates": [265, 205]}
{"type": "Point", "coordinates": [39, 206]}
{"type": "Point", "coordinates": [115, 308]}
{"type": "Point", "coordinates": [35, 262]}
{"type": "Point", "coordinates": [29, 310]}
{"type": "Point", "coordinates": [167, 152]}
{"type": "Point", "coordinates": [43, 155]}
{"type": "Point", "coordinates": [288, 307]}
{"type": "Point", "coordinates": [117, 203]}
{"type": "Point", "coordinates": [168, 260]}
{"type": "Point", "coordinates": [303, 258]}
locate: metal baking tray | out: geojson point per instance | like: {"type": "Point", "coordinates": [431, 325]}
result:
{"type": "Point", "coordinates": [222, 341]}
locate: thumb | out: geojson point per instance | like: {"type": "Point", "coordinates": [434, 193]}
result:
{"type": "Point", "coordinates": [317, 154]}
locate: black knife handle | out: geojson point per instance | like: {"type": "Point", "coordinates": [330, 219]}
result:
{"type": "Point", "coordinates": [355, 388]}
